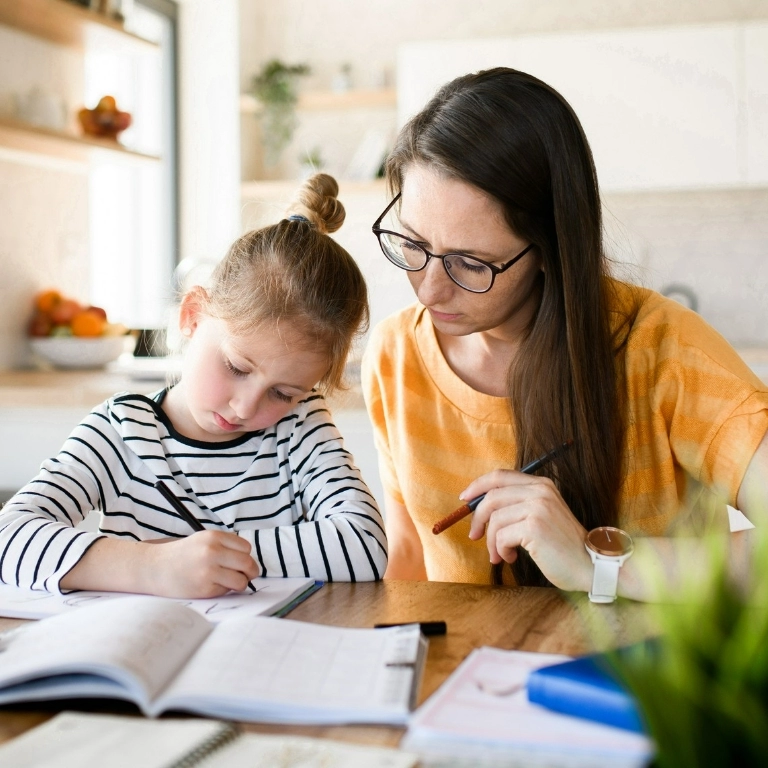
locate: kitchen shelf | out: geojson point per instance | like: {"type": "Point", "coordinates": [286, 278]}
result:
{"type": "Point", "coordinates": [286, 188]}
{"type": "Point", "coordinates": [18, 135]}
{"type": "Point", "coordinates": [322, 100]}
{"type": "Point", "coordinates": [62, 22]}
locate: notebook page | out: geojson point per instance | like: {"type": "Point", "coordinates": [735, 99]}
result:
{"type": "Point", "coordinates": [278, 670]}
{"type": "Point", "coordinates": [145, 639]}
{"type": "Point", "coordinates": [79, 740]}
{"type": "Point", "coordinates": [270, 596]}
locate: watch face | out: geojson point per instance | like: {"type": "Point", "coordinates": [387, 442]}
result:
{"type": "Point", "coordinates": [612, 542]}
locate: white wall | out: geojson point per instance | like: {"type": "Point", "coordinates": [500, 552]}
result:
{"type": "Point", "coordinates": [367, 35]}
{"type": "Point", "coordinates": [663, 108]}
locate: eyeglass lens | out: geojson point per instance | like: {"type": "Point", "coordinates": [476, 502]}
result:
{"type": "Point", "coordinates": [463, 270]}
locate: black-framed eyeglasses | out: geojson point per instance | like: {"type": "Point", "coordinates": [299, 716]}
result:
{"type": "Point", "coordinates": [467, 272]}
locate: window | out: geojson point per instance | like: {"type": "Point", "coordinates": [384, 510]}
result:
{"type": "Point", "coordinates": [133, 205]}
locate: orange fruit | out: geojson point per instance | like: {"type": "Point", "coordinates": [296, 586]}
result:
{"type": "Point", "coordinates": [107, 104]}
{"type": "Point", "coordinates": [45, 301]}
{"type": "Point", "coordinates": [87, 323]}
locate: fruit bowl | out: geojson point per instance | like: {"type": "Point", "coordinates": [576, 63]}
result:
{"type": "Point", "coordinates": [72, 352]}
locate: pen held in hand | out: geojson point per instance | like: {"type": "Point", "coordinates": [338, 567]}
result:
{"type": "Point", "coordinates": [471, 505]}
{"type": "Point", "coordinates": [184, 513]}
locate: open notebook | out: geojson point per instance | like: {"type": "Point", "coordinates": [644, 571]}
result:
{"type": "Point", "coordinates": [163, 656]}
{"type": "Point", "coordinates": [79, 740]}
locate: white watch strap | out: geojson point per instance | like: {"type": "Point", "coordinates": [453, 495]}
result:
{"type": "Point", "coordinates": [605, 581]}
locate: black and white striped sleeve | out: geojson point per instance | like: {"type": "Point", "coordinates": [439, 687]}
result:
{"type": "Point", "coordinates": [39, 544]}
{"type": "Point", "coordinates": [339, 533]}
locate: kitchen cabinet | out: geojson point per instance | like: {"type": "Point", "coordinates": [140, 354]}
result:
{"type": "Point", "coordinates": [669, 108]}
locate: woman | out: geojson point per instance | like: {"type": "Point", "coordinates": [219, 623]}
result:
{"type": "Point", "coordinates": [521, 341]}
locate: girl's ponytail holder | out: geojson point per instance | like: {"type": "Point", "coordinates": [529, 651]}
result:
{"type": "Point", "coordinates": [299, 217]}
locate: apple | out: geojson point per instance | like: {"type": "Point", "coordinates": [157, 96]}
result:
{"type": "Point", "coordinates": [40, 324]}
{"type": "Point", "coordinates": [64, 311]}
{"type": "Point", "coordinates": [102, 313]}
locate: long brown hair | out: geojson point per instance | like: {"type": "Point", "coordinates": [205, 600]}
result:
{"type": "Point", "coordinates": [293, 272]}
{"type": "Point", "coordinates": [518, 140]}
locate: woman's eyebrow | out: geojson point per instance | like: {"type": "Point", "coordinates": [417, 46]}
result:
{"type": "Point", "coordinates": [469, 251]}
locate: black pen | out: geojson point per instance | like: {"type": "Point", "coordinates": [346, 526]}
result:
{"type": "Point", "coordinates": [471, 506]}
{"type": "Point", "coordinates": [184, 513]}
{"type": "Point", "coordinates": [429, 628]}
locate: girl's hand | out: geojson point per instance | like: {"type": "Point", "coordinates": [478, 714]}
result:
{"type": "Point", "coordinates": [528, 511]}
{"type": "Point", "coordinates": [205, 564]}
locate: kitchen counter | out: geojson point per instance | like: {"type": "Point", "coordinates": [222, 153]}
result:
{"type": "Point", "coordinates": [86, 388]}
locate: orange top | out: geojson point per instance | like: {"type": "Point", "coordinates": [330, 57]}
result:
{"type": "Point", "coordinates": [696, 416]}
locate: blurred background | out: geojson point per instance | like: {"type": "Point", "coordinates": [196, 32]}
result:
{"type": "Point", "coordinates": [232, 103]}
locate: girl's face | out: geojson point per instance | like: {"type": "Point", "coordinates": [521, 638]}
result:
{"type": "Point", "coordinates": [447, 215]}
{"type": "Point", "coordinates": [233, 384]}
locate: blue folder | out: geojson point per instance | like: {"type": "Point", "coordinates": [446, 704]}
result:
{"type": "Point", "coordinates": [586, 687]}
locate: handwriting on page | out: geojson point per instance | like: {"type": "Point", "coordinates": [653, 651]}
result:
{"type": "Point", "coordinates": [270, 595]}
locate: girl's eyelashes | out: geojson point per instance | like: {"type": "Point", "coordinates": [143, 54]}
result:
{"type": "Point", "coordinates": [278, 395]}
{"type": "Point", "coordinates": [232, 369]}
{"type": "Point", "coordinates": [275, 393]}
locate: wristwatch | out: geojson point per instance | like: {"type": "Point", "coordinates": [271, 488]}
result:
{"type": "Point", "coordinates": [609, 549]}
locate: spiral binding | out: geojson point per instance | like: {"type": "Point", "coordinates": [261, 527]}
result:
{"type": "Point", "coordinates": [228, 733]}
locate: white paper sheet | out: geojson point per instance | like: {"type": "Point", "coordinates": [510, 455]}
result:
{"type": "Point", "coordinates": [270, 597]}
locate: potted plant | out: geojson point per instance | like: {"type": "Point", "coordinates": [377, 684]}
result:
{"type": "Point", "coordinates": [275, 86]}
{"type": "Point", "coordinates": [703, 688]}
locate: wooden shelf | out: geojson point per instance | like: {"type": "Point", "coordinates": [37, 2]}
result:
{"type": "Point", "coordinates": [286, 188]}
{"type": "Point", "coordinates": [62, 22]}
{"type": "Point", "coordinates": [322, 100]}
{"type": "Point", "coordinates": [26, 137]}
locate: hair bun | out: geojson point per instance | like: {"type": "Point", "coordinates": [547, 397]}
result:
{"type": "Point", "coordinates": [316, 200]}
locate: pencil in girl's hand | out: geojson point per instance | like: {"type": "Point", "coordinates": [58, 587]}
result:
{"type": "Point", "coordinates": [178, 507]}
{"type": "Point", "coordinates": [184, 513]}
{"type": "Point", "coordinates": [471, 506]}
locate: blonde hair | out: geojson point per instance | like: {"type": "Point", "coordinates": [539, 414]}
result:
{"type": "Point", "coordinates": [294, 272]}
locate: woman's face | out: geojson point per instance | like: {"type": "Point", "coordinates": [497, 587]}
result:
{"type": "Point", "coordinates": [447, 215]}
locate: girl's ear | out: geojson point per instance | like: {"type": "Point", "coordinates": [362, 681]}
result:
{"type": "Point", "coordinates": [191, 310]}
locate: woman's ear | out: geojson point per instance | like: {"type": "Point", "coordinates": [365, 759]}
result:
{"type": "Point", "coordinates": [191, 310]}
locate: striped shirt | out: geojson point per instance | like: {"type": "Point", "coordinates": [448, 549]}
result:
{"type": "Point", "coordinates": [291, 490]}
{"type": "Point", "coordinates": [695, 414]}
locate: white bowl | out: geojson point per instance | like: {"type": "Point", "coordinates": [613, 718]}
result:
{"type": "Point", "coordinates": [74, 352]}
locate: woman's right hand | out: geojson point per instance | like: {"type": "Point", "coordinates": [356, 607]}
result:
{"type": "Point", "coordinates": [205, 564]}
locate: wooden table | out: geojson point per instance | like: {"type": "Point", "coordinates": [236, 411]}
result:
{"type": "Point", "coordinates": [530, 619]}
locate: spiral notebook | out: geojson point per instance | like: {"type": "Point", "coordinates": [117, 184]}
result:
{"type": "Point", "coordinates": [79, 740]}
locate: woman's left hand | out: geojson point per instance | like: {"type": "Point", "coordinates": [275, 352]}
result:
{"type": "Point", "coordinates": [527, 511]}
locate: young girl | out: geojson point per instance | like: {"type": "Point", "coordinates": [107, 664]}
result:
{"type": "Point", "coordinates": [244, 441]}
